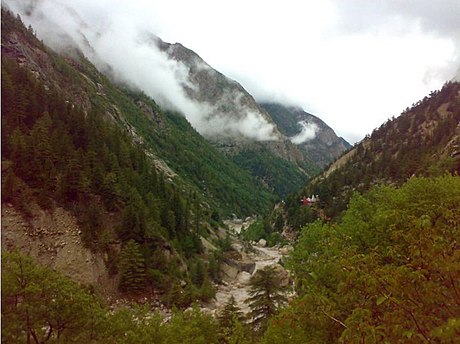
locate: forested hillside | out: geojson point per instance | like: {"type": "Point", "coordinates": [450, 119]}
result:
{"type": "Point", "coordinates": [386, 272]}
{"type": "Point", "coordinates": [58, 156]}
{"type": "Point", "coordinates": [423, 141]}
{"type": "Point", "coordinates": [374, 259]}
{"type": "Point", "coordinates": [166, 136]}
{"type": "Point", "coordinates": [143, 185]}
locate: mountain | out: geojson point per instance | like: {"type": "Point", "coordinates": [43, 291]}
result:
{"type": "Point", "coordinates": [423, 141]}
{"type": "Point", "coordinates": [262, 138]}
{"type": "Point", "coordinates": [98, 182]}
{"type": "Point", "coordinates": [236, 125]}
{"type": "Point", "coordinates": [218, 108]}
{"type": "Point", "coordinates": [312, 136]}
{"type": "Point", "coordinates": [226, 102]}
{"type": "Point", "coordinates": [194, 161]}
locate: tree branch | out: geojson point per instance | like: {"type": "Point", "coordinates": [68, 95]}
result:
{"type": "Point", "coordinates": [334, 319]}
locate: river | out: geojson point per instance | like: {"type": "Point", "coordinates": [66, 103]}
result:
{"type": "Point", "coordinates": [239, 286]}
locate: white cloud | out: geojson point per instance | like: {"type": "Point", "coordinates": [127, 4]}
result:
{"type": "Point", "coordinates": [307, 133]}
{"type": "Point", "coordinates": [352, 63]}
{"type": "Point", "coordinates": [119, 41]}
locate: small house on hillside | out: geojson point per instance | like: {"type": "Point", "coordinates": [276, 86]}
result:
{"type": "Point", "coordinates": [308, 201]}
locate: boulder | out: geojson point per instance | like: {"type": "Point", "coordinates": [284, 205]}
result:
{"type": "Point", "coordinates": [207, 245]}
{"type": "Point", "coordinates": [285, 250]}
{"type": "Point", "coordinates": [282, 276]}
{"type": "Point", "coordinates": [262, 243]}
{"type": "Point", "coordinates": [229, 272]}
{"type": "Point", "coordinates": [242, 265]}
{"type": "Point", "coordinates": [244, 278]}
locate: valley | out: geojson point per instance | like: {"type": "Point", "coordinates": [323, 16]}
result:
{"type": "Point", "coordinates": [152, 199]}
{"type": "Point", "coordinates": [236, 283]}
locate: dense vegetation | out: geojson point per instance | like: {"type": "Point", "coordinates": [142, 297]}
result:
{"type": "Point", "coordinates": [223, 184]}
{"type": "Point", "coordinates": [387, 272]}
{"type": "Point", "coordinates": [285, 120]}
{"type": "Point", "coordinates": [65, 143]}
{"type": "Point", "coordinates": [200, 167]}
{"type": "Point", "coordinates": [41, 306]}
{"type": "Point", "coordinates": [56, 154]}
{"type": "Point", "coordinates": [281, 176]}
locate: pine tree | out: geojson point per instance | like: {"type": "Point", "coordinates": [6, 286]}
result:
{"type": "Point", "coordinates": [42, 164]}
{"type": "Point", "coordinates": [230, 320]}
{"type": "Point", "coordinates": [132, 268]}
{"type": "Point", "coordinates": [266, 297]}
{"type": "Point", "coordinates": [229, 313]}
{"type": "Point", "coordinates": [198, 273]}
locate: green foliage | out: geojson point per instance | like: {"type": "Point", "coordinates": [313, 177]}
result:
{"type": "Point", "coordinates": [198, 273]}
{"type": "Point", "coordinates": [229, 313]}
{"type": "Point", "coordinates": [192, 327]}
{"type": "Point", "coordinates": [283, 177]}
{"type": "Point", "coordinates": [41, 306]}
{"type": "Point", "coordinates": [225, 244]}
{"type": "Point", "coordinates": [388, 271]}
{"type": "Point", "coordinates": [132, 268]}
{"type": "Point", "coordinates": [65, 142]}
{"type": "Point", "coordinates": [231, 326]}
{"type": "Point", "coordinates": [261, 229]}
{"type": "Point", "coordinates": [266, 297]}
{"type": "Point", "coordinates": [285, 119]}
{"type": "Point", "coordinates": [420, 142]}
{"type": "Point", "coordinates": [78, 160]}
{"type": "Point", "coordinates": [228, 188]}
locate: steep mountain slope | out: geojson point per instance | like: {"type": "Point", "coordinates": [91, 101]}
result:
{"type": "Point", "coordinates": [315, 138]}
{"type": "Point", "coordinates": [136, 186]}
{"type": "Point", "coordinates": [250, 136]}
{"type": "Point", "coordinates": [423, 141]}
{"type": "Point", "coordinates": [165, 136]}
{"type": "Point", "coordinates": [217, 107]}
{"type": "Point", "coordinates": [224, 100]}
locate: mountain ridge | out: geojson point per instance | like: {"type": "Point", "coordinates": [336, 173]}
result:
{"type": "Point", "coordinates": [313, 136]}
{"type": "Point", "coordinates": [423, 141]}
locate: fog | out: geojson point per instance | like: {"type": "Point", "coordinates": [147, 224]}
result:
{"type": "Point", "coordinates": [353, 63]}
{"type": "Point", "coordinates": [307, 133]}
{"type": "Point", "coordinates": [113, 37]}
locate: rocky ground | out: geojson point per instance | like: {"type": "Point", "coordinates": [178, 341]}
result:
{"type": "Point", "coordinates": [54, 240]}
{"type": "Point", "coordinates": [238, 272]}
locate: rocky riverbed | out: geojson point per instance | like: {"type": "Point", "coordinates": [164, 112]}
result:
{"type": "Point", "coordinates": [238, 272]}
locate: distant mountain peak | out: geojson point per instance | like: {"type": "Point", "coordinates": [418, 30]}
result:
{"type": "Point", "coordinates": [226, 109]}
{"type": "Point", "coordinates": [314, 137]}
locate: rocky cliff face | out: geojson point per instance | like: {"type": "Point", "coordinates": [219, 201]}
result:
{"type": "Point", "coordinates": [318, 142]}
{"type": "Point", "coordinates": [55, 240]}
{"type": "Point", "coordinates": [227, 105]}
{"type": "Point", "coordinates": [224, 99]}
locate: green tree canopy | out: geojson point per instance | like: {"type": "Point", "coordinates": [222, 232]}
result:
{"type": "Point", "coordinates": [388, 271]}
{"type": "Point", "coordinates": [266, 296]}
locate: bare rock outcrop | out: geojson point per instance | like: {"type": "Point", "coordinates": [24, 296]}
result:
{"type": "Point", "coordinates": [54, 240]}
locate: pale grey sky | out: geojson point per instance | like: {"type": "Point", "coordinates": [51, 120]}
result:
{"type": "Point", "coordinates": [353, 63]}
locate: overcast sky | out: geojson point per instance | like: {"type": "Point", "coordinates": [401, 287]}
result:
{"type": "Point", "coordinates": [352, 63]}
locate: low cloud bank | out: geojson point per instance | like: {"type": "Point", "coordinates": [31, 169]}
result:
{"type": "Point", "coordinates": [307, 133]}
{"type": "Point", "coordinates": [112, 36]}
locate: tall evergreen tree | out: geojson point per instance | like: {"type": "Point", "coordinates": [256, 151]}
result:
{"type": "Point", "coordinates": [231, 323]}
{"type": "Point", "coordinates": [132, 268]}
{"type": "Point", "coordinates": [266, 296]}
